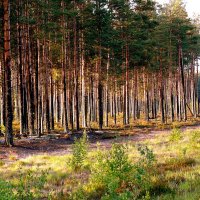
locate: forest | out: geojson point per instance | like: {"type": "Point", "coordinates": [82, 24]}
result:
{"type": "Point", "coordinates": [99, 99]}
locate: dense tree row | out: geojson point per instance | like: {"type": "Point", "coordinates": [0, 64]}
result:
{"type": "Point", "coordinates": [78, 62]}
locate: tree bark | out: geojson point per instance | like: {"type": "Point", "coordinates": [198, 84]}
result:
{"type": "Point", "coordinates": [7, 65]}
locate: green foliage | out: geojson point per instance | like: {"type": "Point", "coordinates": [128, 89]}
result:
{"type": "Point", "coordinates": [146, 196]}
{"type": "Point", "coordinates": [29, 187]}
{"type": "Point", "coordinates": [6, 190]}
{"type": "Point", "coordinates": [116, 177]}
{"type": "Point", "coordinates": [144, 167]}
{"type": "Point", "coordinates": [175, 135]}
{"type": "Point", "coordinates": [79, 194]}
{"type": "Point", "coordinates": [79, 152]}
{"type": "Point", "coordinates": [118, 173]}
{"type": "Point", "coordinates": [118, 161]}
{"type": "Point", "coordinates": [147, 155]}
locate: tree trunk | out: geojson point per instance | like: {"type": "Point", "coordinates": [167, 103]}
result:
{"type": "Point", "coordinates": [76, 106]}
{"type": "Point", "coordinates": [7, 65]}
{"type": "Point", "coordinates": [106, 96]}
{"type": "Point", "coordinates": [180, 58]}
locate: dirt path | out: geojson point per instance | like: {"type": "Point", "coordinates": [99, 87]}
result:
{"type": "Point", "coordinates": [58, 144]}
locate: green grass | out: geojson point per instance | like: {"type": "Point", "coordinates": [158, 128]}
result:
{"type": "Point", "coordinates": [175, 173]}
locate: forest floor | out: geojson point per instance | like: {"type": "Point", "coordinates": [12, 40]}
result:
{"type": "Point", "coordinates": [58, 143]}
{"type": "Point", "coordinates": [159, 164]}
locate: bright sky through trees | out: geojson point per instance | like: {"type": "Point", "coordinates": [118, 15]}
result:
{"type": "Point", "coordinates": [192, 6]}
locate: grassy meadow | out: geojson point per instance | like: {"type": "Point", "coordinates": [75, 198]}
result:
{"type": "Point", "coordinates": [165, 167]}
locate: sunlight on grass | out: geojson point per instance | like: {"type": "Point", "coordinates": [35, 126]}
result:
{"type": "Point", "coordinates": [176, 176]}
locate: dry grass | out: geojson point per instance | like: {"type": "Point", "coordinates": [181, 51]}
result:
{"type": "Point", "coordinates": [177, 168]}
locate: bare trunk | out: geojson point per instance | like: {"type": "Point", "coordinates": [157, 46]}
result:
{"type": "Point", "coordinates": [7, 65]}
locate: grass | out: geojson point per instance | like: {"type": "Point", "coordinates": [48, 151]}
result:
{"type": "Point", "coordinates": [175, 172]}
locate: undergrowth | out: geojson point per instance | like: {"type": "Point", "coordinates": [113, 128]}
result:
{"type": "Point", "coordinates": [115, 176]}
{"type": "Point", "coordinates": [79, 152]}
{"type": "Point", "coordinates": [165, 168]}
{"type": "Point", "coordinates": [28, 187]}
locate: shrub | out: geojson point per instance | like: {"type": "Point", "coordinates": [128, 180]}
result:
{"type": "Point", "coordinates": [79, 152]}
{"type": "Point", "coordinates": [118, 178]}
{"type": "Point", "coordinates": [144, 168]}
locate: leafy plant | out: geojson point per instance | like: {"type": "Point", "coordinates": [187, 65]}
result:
{"type": "Point", "coordinates": [79, 152]}
{"type": "Point", "coordinates": [119, 177]}
{"type": "Point", "coordinates": [144, 168]}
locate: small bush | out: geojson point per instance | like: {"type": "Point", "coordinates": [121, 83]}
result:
{"type": "Point", "coordinates": [145, 167]}
{"type": "Point", "coordinates": [116, 177]}
{"type": "Point", "coordinates": [79, 152]}
{"type": "Point", "coordinates": [175, 135]}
